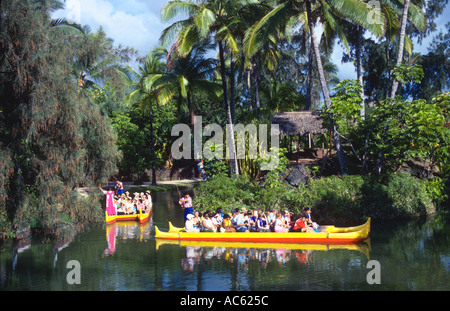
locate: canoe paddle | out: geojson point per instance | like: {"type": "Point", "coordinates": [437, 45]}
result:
{"type": "Point", "coordinates": [179, 197]}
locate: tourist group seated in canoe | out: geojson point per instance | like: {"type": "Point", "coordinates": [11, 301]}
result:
{"type": "Point", "coordinates": [241, 220]}
{"type": "Point", "coordinates": [126, 204]}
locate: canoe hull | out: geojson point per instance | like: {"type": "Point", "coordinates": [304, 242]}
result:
{"type": "Point", "coordinates": [272, 237]}
{"type": "Point", "coordinates": [141, 217]}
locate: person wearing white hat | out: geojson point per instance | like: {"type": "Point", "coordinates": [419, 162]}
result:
{"type": "Point", "coordinates": [189, 225]}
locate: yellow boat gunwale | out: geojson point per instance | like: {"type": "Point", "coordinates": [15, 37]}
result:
{"type": "Point", "coordinates": [342, 236]}
{"type": "Point", "coordinates": [329, 228]}
{"type": "Point", "coordinates": [141, 217]}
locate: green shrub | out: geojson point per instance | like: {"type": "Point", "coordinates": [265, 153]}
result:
{"type": "Point", "coordinates": [352, 199]}
{"type": "Point", "coordinates": [408, 195]}
{"type": "Point", "coordinates": [332, 198]}
{"type": "Point", "coordinates": [437, 190]}
{"type": "Point", "coordinates": [224, 192]}
{"type": "Point", "coordinates": [345, 200]}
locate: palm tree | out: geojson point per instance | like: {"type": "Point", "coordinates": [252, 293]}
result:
{"type": "Point", "coordinates": [207, 19]}
{"type": "Point", "coordinates": [289, 12]}
{"type": "Point", "coordinates": [187, 73]}
{"type": "Point", "coordinates": [418, 20]}
{"type": "Point", "coordinates": [147, 87]}
{"type": "Point", "coordinates": [101, 61]}
{"type": "Point", "coordinates": [279, 18]}
{"type": "Point", "coordinates": [325, 92]}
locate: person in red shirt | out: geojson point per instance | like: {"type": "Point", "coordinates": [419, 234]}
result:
{"type": "Point", "coordinates": [301, 225]}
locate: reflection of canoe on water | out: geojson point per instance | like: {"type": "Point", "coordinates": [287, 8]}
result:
{"type": "Point", "coordinates": [331, 235]}
{"type": "Point", "coordinates": [141, 217]}
{"type": "Point", "coordinates": [363, 247]}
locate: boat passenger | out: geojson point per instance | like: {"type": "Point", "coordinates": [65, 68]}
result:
{"type": "Point", "coordinates": [207, 225]}
{"type": "Point", "coordinates": [262, 224]}
{"type": "Point", "coordinates": [226, 224]}
{"type": "Point", "coordinates": [273, 215]}
{"type": "Point", "coordinates": [292, 220]}
{"type": "Point", "coordinates": [121, 205]}
{"type": "Point", "coordinates": [219, 211]}
{"type": "Point", "coordinates": [252, 222]}
{"type": "Point", "coordinates": [271, 218]}
{"type": "Point", "coordinates": [244, 211]}
{"type": "Point", "coordinates": [149, 198]}
{"type": "Point", "coordinates": [129, 207]}
{"type": "Point", "coordinates": [279, 225]}
{"type": "Point", "coordinates": [139, 206]}
{"type": "Point", "coordinates": [189, 225]}
{"type": "Point", "coordinates": [216, 221]}
{"type": "Point", "coordinates": [233, 217]}
{"type": "Point", "coordinates": [197, 220]}
{"type": "Point", "coordinates": [307, 211]}
{"type": "Point", "coordinates": [146, 203]}
{"type": "Point", "coordinates": [240, 222]}
{"type": "Point", "coordinates": [301, 225]}
{"type": "Point", "coordinates": [286, 218]}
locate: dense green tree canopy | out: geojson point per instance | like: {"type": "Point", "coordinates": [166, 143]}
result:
{"type": "Point", "coordinates": [52, 136]}
{"type": "Point", "coordinates": [73, 113]}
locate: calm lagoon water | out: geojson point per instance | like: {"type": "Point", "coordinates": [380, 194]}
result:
{"type": "Point", "coordinates": [413, 255]}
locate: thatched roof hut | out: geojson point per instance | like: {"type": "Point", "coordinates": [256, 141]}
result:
{"type": "Point", "coordinates": [299, 122]}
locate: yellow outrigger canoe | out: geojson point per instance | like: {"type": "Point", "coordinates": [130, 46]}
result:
{"type": "Point", "coordinates": [331, 235]}
{"type": "Point", "coordinates": [141, 217]}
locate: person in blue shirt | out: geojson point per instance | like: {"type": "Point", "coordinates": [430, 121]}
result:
{"type": "Point", "coordinates": [310, 223]}
{"type": "Point", "coordinates": [240, 222]}
{"type": "Point", "coordinates": [262, 223]}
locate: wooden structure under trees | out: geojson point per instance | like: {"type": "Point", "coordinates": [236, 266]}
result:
{"type": "Point", "coordinates": [299, 123]}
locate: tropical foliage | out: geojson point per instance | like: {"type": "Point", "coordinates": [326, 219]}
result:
{"type": "Point", "coordinates": [75, 113]}
{"type": "Point", "coordinates": [342, 200]}
{"type": "Point", "coordinates": [53, 136]}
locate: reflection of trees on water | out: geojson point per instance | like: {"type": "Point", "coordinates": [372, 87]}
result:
{"type": "Point", "coordinates": [19, 247]}
{"type": "Point", "coordinates": [61, 242]}
{"type": "Point", "coordinates": [421, 247]}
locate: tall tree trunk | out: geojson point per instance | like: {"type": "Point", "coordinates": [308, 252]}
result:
{"type": "Point", "coordinates": [359, 75]}
{"type": "Point", "coordinates": [249, 86]}
{"type": "Point", "coordinates": [401, 44]}
{"type": "Point", "coordinates": [257, 98]}
{"type": "Point", "coordinates": [325, 92]}
{"type": "Point", "coordinates": [191, 109]}
{"type": "Point", "coordinates": [234, 170]}
{"type": "Point", "coordinates": [232, 87]}
{"type": "Point", "coordinates": [309, 77]}
{"type": "Point", "coordinates": [152, 146]}
{"type": "Point", "coordinates": [388, 63]}
{"type": "Point", "coordinates": [197, 152]}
